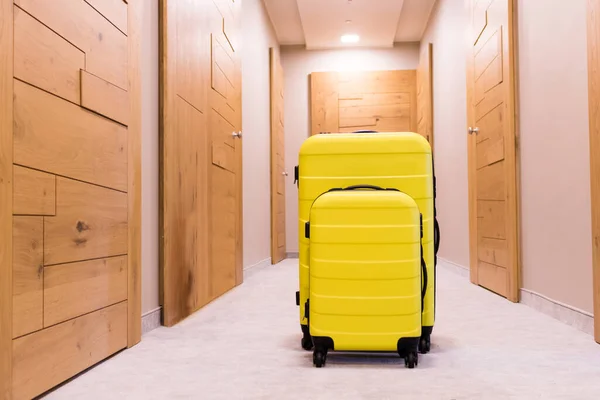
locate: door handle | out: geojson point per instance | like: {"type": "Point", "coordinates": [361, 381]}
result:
{"type": "Point", "coordinates": [284, 173]}
{"type": "Point", "coordinates": [237, 134]}
{"type": "Point", "coordinates": [473, 130]}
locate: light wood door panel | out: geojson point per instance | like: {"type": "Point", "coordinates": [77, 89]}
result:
{"type": "Point", "coordinates": [384, 101]}
{"type": "Point", "coordinates": [74, 289]}
{"type": "Point", "coordinates": [492, 151]}
{"type": "Point", "coordinates": [90, 222]}
{"type": "Point", "coordinates": [28, 275]}
{"type": "Point", "coordinates": [278, 172]}
{"type": "Point", "coordinates": [593, 47]}
{"type": "Point", "coordinates": [70, 188]}
{"type": "Point", "coordinates": [34, 192]}
{"type": "Point", "coordinates": [46, 60]}
{"type": "Point", "coordinates": [56, 136]}
{"type": "Point", "coordinates": [48, 357]}
{"type": "Point", "coordinates": [201, 159]}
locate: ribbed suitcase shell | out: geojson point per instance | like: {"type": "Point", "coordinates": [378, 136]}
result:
{"type": "Point", "coordinates": [391, 160]}
{"type": "Point", "coordinates": [365, 269]}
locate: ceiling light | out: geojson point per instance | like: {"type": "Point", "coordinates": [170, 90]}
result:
{"type": "Point", "coordinates": [350, 38]}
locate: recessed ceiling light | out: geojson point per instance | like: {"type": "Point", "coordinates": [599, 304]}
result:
{"type": "Point", "coordinates": [350, 38]}
{"type": "Point", "coordinates": [348, 21]}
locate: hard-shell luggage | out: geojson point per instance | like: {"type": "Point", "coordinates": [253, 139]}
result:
{"type": "Point", "coordinates": [391, 160]}
{"type": "Point", "coordinates": [367, 275]}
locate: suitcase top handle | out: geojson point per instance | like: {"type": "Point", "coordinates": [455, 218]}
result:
{"type": "Point", "coordinates": [362, 187]}
{"type": "Point", "coordinates": [365, 131]}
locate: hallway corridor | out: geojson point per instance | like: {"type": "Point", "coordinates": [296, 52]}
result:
{"type": "Point", "coordinates": [245, 345]}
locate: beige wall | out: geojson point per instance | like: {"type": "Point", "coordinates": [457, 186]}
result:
{"type": "Point", "coordinates": [555, 177]}
{"type": "Point", "coordinates": [446, 31]}
{"type": "Point", "coordinates": [149, 74]}
{"type": "Point", "coordinates": [257, 37]}
{"type": "Point", "coordinates": [297, 65]}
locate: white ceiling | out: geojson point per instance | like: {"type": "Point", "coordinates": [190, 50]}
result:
{"type": "Point", "coordinates": [319, 24]}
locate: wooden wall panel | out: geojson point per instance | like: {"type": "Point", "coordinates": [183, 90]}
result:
{"type": "Point", "coordinates": [49, 357]}
{"type": "Point", "coordinates": [62, 138]}
{"type": "Point", "coordinates": [113, 10]}
{"type": "Point", "coordinates": [74, 289]}
{"type": "Point", "coordinates": [28, 275]}
{"type": "Point", "coordinates": [425, 93]}
{"type": "Point", "coordinates": [34, 192]}
{"type": "Point", "coordinates": [104, 45]}
{"type": "Point", "coordinates": [134, 167]}
{"type": "Point", "coordinates": [104, 98]}
{"type": "Point", "coordinates": [6, 196]}
{"type": "Point", "coordinates": [593, 46]}
{"type": "Point", "coordinates": [324, 105]}
{"type": "Point", "coordinates": [44, 59]}
{"type": "Point", "coordinates": [90, 222]}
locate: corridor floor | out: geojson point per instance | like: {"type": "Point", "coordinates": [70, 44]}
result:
{"type": "Point", "coordinates": [246, 345]}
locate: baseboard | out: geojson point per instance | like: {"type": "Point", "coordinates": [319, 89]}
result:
{"type": "Point", "coordinates": [263, 263]}
{"type": "Point", "coordinates": [454, 267]}
{"type": "Point", "coordinates": [292, 255]}
{"type": "Point", "coordinates": [566, 314]}
{"type": "Point", "coordinates": [151, 320]}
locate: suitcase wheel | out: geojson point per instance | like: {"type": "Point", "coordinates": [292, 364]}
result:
{"type": "Point", "coordinates": [319, 358]}
{"type": "Point", "coordinates": [424, 345]}
{"type": "Point", "coordinates": [307, 343]}
{"type": "Point", "coordinates": [411, 360]}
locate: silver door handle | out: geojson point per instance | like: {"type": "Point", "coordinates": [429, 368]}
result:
{"type": "Point", "coordinates": [473, 130]}
{"type": "Point", "coordinates": [237, 134]}
{"type": "Point", "coordinates": [284, 173]}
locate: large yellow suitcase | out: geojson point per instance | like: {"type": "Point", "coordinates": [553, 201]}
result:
{"type": "Point", "coordinates": [393, 160]}
{"type": "Point", "coordinates": [366, 273]}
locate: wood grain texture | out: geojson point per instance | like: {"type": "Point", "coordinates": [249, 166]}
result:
{"type": "Point", "coordinates": [324, 104]}
{"type": "Point", "coordinates": [425, 93]}
{"type": "Point", "coordinates": [6, 196]}
{"type": "Point", "coordinates": [44, 59]}
{"type": "Point", "coordinates": [74, 289]}
{"type": "Point", "coordinates": [46, 358]}
{"type": "Point", "coordinates": [90, 222]}
{"type": "Point", "coordinates": [113, 10]}
{"type": "Point", "coordinates": [104, 45]}
{"type": "Point", "coordinates": [34, 192]}
{"type": "Point", "coordinates": [492, 152]}
{"type": "Point", "coordinates": [104, 98]}
{"type": "Point", "coordinates": [278, 244]}
{"type": "Point", "coordinates": [53, 135]}
{"type": "Point", "coordinates": [134, 173]}
{"type": "Point", "coordinates": [28, 275]}
{"type": "Point", "coordinates": [593, 47]}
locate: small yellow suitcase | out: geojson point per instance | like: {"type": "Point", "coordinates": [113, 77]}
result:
{"type": "Point", "coordinates": [366, 273]}
{"type": "Point", "coordinates": [392, 160]}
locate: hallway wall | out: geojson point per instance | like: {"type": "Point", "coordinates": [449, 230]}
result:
{"type": "Point", "coordinates": [258, 36]}
{"type": "Point", "coordinates": [446, 31]}
{"type": "Point", "coordinates": [150, 150]}
{"type": "Point", "coordinates": [555, 176]}
{"type": "Point", "coordinates": [298, 63]}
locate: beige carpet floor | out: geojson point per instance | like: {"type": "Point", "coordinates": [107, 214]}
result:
{"type": "Point", "coordinates": [245, 345]}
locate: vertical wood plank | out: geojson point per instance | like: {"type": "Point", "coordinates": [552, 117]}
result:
{"type": "Point", "coordinates": [134, 192]}
{"type": "Point", "coordinates": [324, 102]}
{"type": "Point", "coordinates": [6, 196]}
{"type": "Point", "coordinates": [593, 34]}
{"type": "Point", "coordinates": [425, 93]}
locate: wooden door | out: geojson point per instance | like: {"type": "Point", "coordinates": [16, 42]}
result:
{"type": "Point", "coordinates": [70, 176]}
{"type": "Point", "coordinates": [425, 93]}
{"type": "Point", "coordinates": [593, 25]}
{"type": "Point", "coordinates": [492, 149]}
{"type": "Point", "coordinates": [384, 101]}
{"type": "Point", "coordinates": [278, 172]}
{"type": "Point", "coordinates": [201, 154]}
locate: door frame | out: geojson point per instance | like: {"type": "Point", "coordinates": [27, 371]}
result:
{"type": "Point", "coordinates": [274, 62]}
{"type": "Point", "coordinates": [593, 47]}
{"type": "Point", "coordinates": [511, 159]}
{"type": "Point", "coordinates": [134, 190]}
